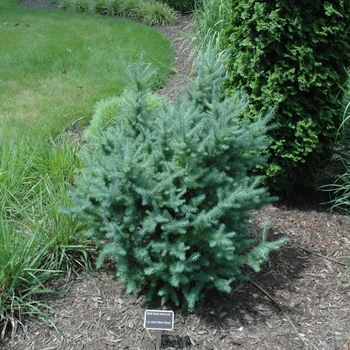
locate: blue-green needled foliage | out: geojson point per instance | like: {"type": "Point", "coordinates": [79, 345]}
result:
{"type": "Point", "coordinates": [292, 55]}
{"type": "Point", "coordinates": [165, 191]}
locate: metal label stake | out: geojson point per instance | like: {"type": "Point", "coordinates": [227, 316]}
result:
{"type": "Point", "coordinates": [159, 320]}
{"type": "Point", "coordinates": [159, 340]}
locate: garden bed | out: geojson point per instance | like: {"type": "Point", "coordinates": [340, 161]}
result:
{"type": "Point", "coordinates": [298, 301]}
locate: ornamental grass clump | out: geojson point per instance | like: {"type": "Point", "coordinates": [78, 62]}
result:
{"type": "Point", "coordinates": [150, 12]}
{"type": "Point", "coordinates": [165, 192]}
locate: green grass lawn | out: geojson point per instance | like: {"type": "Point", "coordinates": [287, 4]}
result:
{"type": "Point", "coordinates": [56, 65]}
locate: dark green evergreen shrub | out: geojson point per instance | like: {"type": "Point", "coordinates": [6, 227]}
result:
{"type": "Point", "coordinates": [165, 192]}
{"type": "Point", "coordinates": [292, 55]}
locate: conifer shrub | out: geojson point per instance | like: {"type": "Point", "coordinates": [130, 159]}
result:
{"type": "Point", "coordinates": [292, 56]}
{"type": "Point", "coordinates": [165, 192]}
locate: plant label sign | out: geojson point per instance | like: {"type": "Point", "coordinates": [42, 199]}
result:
{"type": "Point", "coordinates": [162, 320]}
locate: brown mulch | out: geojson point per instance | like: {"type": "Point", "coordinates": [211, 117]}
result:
{"type": "Point", "coordinates": [298, 301]}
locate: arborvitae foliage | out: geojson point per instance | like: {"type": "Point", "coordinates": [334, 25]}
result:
{"type": "Point", "coordinates": [293, 54]}
{"type": "Point", "coordinates": [165, 192]}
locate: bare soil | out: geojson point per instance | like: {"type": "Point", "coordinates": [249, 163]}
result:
{"type": "Point", "coordinates": [298, 301]}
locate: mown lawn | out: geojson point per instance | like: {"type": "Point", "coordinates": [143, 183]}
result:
{"type": "Point", "coordinates": [56, 65]}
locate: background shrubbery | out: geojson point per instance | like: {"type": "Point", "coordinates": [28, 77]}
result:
{"type": "Point", "coordinates": [294, 58]}
{"type": "Point", "coordinates": [151, 12]}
